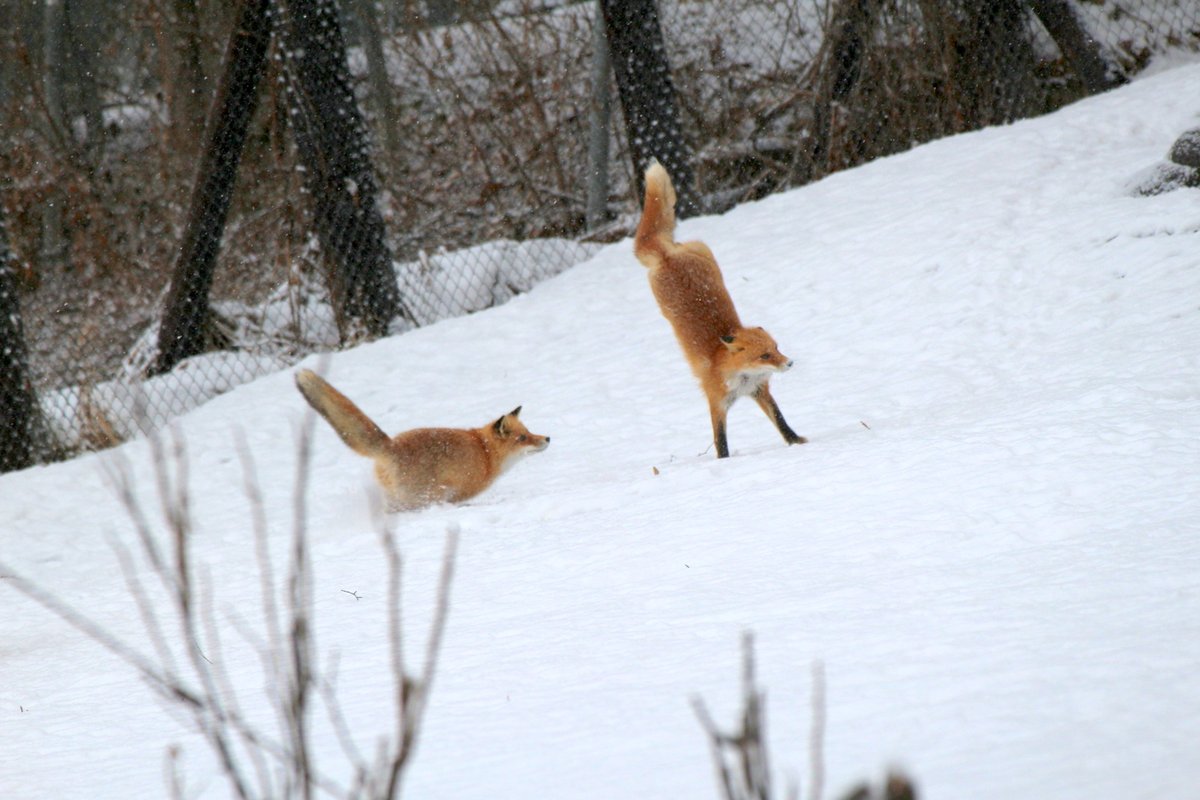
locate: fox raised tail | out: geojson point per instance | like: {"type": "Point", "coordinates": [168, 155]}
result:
{"type": "Point", "coordinates": [356, 428]}
{"type": "Point", "coordinates": [656, 230]}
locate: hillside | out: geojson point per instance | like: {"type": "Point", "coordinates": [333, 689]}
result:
{"type": "Point", "coordinates": [992, 541]}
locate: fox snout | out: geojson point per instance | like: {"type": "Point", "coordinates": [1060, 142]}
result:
{"type": "Point", "coordinates": [537, 443]}
{"type": "Point", "coordinates": [776, 362]}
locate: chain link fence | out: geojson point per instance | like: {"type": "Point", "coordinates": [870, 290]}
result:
{"type": "Point", "coordinates": [776, 93]}
{"type": "Point", "coordinates": [209, 190]}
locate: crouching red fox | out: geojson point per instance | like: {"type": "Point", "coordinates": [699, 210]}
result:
{"type": "Point", "coordinates": [730, 359]}
{"type": "Point", "coordinates": [423, 466]}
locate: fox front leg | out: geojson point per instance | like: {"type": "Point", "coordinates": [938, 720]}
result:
{"type": "Point", "coordinates": [767, 403]}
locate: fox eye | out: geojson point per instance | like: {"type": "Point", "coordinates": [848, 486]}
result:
{"type": "Point", "coordinates": [522, 438]}
{"type": "Point", "coordinates": [765, 357]}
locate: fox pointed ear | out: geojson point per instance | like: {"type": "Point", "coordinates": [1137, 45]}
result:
{"type": "Point", "coordinates": [516, 412]}
{"type": "Point", "coordinates": [500, 426]}
{"type": "Point", "coordinates": [728, 340]}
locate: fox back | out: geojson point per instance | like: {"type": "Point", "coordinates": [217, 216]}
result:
{"type": "Point", "coordinates": [426, 465]}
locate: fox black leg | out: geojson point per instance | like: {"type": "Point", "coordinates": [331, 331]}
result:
{"type": "Point", "coordinates": [767, 403]}
{"type": "Point", "coordinates": [718, 424]}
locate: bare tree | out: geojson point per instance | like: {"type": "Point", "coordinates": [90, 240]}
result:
{"type": "Point", "coordinates": [741, 757]}
{"type": "Point", "coordinates": [850, 27]}
{"type": "Point", "coordinates": [331, 137]}
{"type": "Point", "coordinates": [85, 35]}
{"type": "Point", "coordinates": [599, 117]}
{"type": "Point", "coordinates": [995, 61]}
{"type": "Point", "coordinates": [652, 120]}
{"type": "Point", "coordinates": [1079, 47]}
{"type": "Point", "coordinates": [54, 245]}
{"type": "Point", "coordinates": [19, 412]}
{"type": "Point", "coordinates": [186, 318]}
{"type": "Point", "coordinates": [368, 13]}
{"type": "Point", "coordinates": [187, 93]}
{"type": "Point", "coordinates": [441, 12]}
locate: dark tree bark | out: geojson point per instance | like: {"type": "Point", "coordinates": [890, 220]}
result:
{"type": "Point", "coordinates": [189, 97]}
{"type": "Point", "coordinates": [368, 13]}
{"type": "Point", "coordinates": [441, 12]}
{"type": "Point", "coordinates": [850, 28]}
{"type": "Point", "coordinates": [332, 140]}
{"type": "Point", "coordinates": [599, 117]}
{"type": "Point", "coordinates": [54, 251]}
{"type": "Point", "coordinates": [85, 37]}
{"type": "Point", "coordinates": [652, 122]}
{"type": "Point", "coordinates": [995, 62]}
{"type": "Point", "coordinates": [186, 316]}
{"type": "Point", "coordinates": [19, 412]}
{"type": "Point", "coordinates": [1080, 49]}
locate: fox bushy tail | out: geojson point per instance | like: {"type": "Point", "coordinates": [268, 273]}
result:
{"type": "Point", "coordinates": [356, 428]}
{"type": "Point", "coordinates": [656, 230]}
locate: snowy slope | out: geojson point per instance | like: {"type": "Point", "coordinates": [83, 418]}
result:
{"type": "Point", "coordinates": [992, 541]}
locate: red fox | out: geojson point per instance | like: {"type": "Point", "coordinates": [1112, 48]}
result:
{"type": "Point", "coordinates": [730, 359]}
{"type": "Point", "coordinates": [426, 465]}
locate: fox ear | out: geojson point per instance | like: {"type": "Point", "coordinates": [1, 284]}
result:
{"type": "Point", "coordinates": [500, 427]}
{"type": "Point", "coordinates": [729, 340]}
{"type": "Point", "coordinates": [516, 412]}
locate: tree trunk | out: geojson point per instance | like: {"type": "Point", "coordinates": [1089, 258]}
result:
{"type": "Point", "coordinates": [185, 318]}
{"type": "Point", "coordinates": [850, 28]}
{"type": "Point", "coordinates": [1081, 51]}
{"type": "Point", "coordinates": [440, 12]}
{"type": "Point", "coordinates": [19, 411]}
{"type": "Point", "coordinates": [54, 248]}
{"type": "Point", "coordinates": [85, 38]}
{"type": "Point", "coordinates": [996, 62]}
{"type": "Point", "coordinates": [599, 117]}
{"type": "Point", "coordinates": [331, 138]}
{"type": "Point", "coordinates": [189, 98]}
{"type": "Point", "coordinates": [368, 15]}
{"type": "Point", "coordinates": [652, 122]}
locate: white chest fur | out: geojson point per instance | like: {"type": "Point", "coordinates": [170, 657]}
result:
{"type": "Point", "coordinates": [745, 382]}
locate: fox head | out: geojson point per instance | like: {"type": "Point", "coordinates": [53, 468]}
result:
{"type": "Point", "coordinates": [514, 437]}
{"type": "Point", "coordinates": [753, 350]}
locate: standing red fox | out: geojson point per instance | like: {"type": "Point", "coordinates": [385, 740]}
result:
{"type": "Point", "coordinates": [425, 465]}
{"type": "Point", "coordinates": [730, 359]}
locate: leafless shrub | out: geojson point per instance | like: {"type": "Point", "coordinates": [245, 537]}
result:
{"type": "Point", "coordinates": [741, 757]}
{"type": "Point", "coordinates": [187, 668]}
{"type": "Point", "coordinates": [895, 786]}
{"type": "Point", "coordinates": [495, 128]}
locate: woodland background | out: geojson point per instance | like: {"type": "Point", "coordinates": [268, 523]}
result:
{"type": "Point", "coordinates": [400, 162]}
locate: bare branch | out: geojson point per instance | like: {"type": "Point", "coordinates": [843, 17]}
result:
{"type": "Point", "coordinates": [816, 734]}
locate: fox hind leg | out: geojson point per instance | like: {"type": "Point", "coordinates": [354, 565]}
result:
{"type": "Point", "coordinates": [718, 412]}
{"type": "Point", "coordinates": [767, 403]}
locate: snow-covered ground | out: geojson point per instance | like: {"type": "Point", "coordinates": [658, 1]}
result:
{"type": "Point", "coordinates": [992, 541]}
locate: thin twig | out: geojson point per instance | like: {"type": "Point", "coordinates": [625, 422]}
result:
{"type": "Point", "coordinates": [816, 734]}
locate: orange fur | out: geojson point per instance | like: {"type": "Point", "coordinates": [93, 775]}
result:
{"type": "Point", "coordinates": [729, 359]}
{"type": "Point", "coordinates": [425, 465]}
